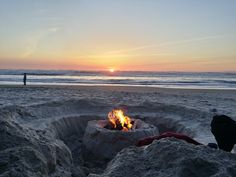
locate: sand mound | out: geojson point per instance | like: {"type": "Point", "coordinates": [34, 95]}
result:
{"type": "Point", "coordinates": [45, 139]}
{"type": "Point", "coordinates": [171, 157]}
{"type": "Point", "coordinates": [27, 152]}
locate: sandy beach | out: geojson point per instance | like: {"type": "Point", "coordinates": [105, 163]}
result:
{"type": "Point", "coordinates": [59, 111]}
{"type": "Point", "coordinates": [192, 108]}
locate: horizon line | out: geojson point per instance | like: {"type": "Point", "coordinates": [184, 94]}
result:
{"type": "Point", "coordinates": [107, 70]}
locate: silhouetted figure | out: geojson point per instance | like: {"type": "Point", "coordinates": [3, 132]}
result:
{"type": "Point", "coordinates": [224, 130]}
{"type": "Point", "coordinates": [24, 79]}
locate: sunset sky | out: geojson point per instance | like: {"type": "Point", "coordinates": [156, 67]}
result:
{"type": "Point", "coordinates": [155, 35]}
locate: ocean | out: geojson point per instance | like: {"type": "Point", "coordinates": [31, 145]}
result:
{"type": "Point", "coordinates": [195, 80]}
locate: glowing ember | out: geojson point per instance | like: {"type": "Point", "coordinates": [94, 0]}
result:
{"type": "Point", "coordinates": [119, 121]}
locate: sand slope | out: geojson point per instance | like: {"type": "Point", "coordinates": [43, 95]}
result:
{"type": "Point", "coordinates": [41, 128]}
{"type": "Point", "coordinates": [171, 157]}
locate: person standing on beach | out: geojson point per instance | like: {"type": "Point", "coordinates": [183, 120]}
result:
{"type": "Point", "coordinates": [24, 79]}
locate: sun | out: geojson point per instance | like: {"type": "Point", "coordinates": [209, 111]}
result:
{"type": "Point", "coordinates": [111, 70]}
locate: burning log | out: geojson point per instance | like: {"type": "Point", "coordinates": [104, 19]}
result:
{"type": "Point", "coordinates": [118, 126]}
{"type": "Point", "coordinates": [111, 126]}
{"type": "Point", "coordinates": [134, 124]}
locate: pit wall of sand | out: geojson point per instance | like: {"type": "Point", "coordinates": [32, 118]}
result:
{"type": "Point", "coordinates": [53, 132]}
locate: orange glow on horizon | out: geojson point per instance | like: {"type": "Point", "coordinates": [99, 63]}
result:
{"type": "Point", "coordinates": [111, 70]}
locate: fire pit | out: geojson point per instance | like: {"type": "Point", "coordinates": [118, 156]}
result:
{"type": "Point", "coordinates": [104, 138]}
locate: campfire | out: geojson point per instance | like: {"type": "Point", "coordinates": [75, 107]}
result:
{"type": "Point", "coordinates": [103, 138]}
{"type": "Point", "coordinates": [118, 121]}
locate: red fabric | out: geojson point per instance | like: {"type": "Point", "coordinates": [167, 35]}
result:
{"type": "Point", "coordinates": [149, 140]}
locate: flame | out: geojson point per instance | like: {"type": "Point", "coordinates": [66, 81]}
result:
{"type": "Point", "coordinates": [117, 118]}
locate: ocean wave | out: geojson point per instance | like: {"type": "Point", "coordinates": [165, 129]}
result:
{"type": "Point", "coordinates": [163, 79]}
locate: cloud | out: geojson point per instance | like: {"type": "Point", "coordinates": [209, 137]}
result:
{"type": "Point", "coordinates": [126, 52]}
{"type": "Point", "coordinates": [33, 40]}
{"type": "Point", "coordinates": [138, 50]}
{"type": "Point", "coordinates": [132, 49]}
{"type": "Point", "coordinates": [170, 43]}
{"type": "Point", "coordinates": [103, 56]}
{"type": "Point", "coordinates": [54, 29]}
